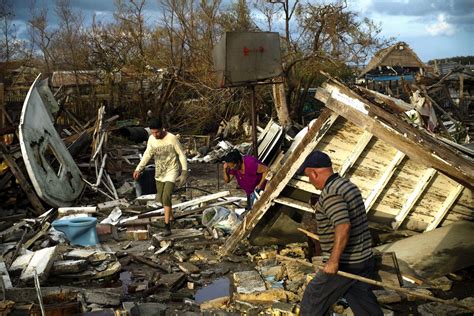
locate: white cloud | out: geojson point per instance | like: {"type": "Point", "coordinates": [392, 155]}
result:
{"type": "Point", "coordinates": [361, 6]}
{"type": "Point", "coordinates": [441, 27]}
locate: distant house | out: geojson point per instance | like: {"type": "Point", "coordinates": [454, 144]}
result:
{"type": "Point", "coordinates": [71, 78]}
{"type": "Point", "coordinates": [17, 76]}
{"type": "Point", "coordinates": [391, 65]}
{"type": "Point", "coordinates": [394, 61]}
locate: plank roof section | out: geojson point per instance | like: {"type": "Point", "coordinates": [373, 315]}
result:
{"type": "Point", "coordinates": [415, 143]}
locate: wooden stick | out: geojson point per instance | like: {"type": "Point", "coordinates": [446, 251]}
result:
{"type": "Point", "coordinates": [402, 290]}
{"type": "Point", "coordinates": [381, 284]}
{"type": "Point", "coordinates": [309, 234]}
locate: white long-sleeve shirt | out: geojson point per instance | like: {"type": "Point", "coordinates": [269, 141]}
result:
{"type": "Point", "coordinates": [167, 151]}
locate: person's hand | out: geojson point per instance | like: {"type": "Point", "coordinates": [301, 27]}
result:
{"type": "Point", "coordinates": [181, 180]}
{"type": "Point", "coordinates": [225, 166]}
{"type": "Point", "coordinates": [136, 175]}
{"type": "Point", "coordinates": [331, 267]}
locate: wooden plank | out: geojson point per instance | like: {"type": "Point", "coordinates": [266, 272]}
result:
{"type": "Point", "coordinates": [278, 182]}
{"type": "Point", "coordinates": [384, 179]}
{"type": "Point", "coordinates": [27, 188]}
{"type": "Point", "coordinates": [391, 129]}
{"type": "Point", "coordinates": [303, 185]}
{"type": "Point", "coordinates": [179, 206]}
{"type": "Point", "coordinates": [294, 204]}
{"type": "Point", "coordinates": [452, 197]}
{"type": "Point", "coordinates": [355, 154]}
{"type": "Point", "coordinates": [414, 196]}
{"type": "Point", "coordinates": [32, 240]}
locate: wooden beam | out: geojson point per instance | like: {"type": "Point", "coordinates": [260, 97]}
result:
{"type": "Point", "coordinates": [278, 182]}
{"type": "Point", "coordinates": [414, 196]}
{"type": "Point", "coordinates": [364, 140]}
{"type": "Point", "coordinates": [294, 204]}
{"type": "Point", "coordinates": [450, 199]}
{"type": "Point", "coordinates": [303, 185]}
{"type": "Point", "coordinates": [395, 104]}
{"type": "Point", "coordinates": [384, 179]}
{"type": "Point", "coordinates": [179, 206]}
{"type": "Point", "coordinates": [390, 128]}
{"type": "Point", "coordinates": [22, 180]}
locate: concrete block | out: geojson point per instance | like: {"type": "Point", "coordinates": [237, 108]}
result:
{"type": "Point", "coordinates": [268, 296]}
{"type": "Point", "coordinates": [103, 297]}
{"type": "Point", "coordinates": [21, 263]}
{"type": "Point", "coordinates": [248, 282]}
{"type": "Point", "coordinates": [217, 303]}
{"type": "Point", "coordinates": [69, 266]}
{"type": "Point", "coordinates": [141, 234]}
{"type": "Point", "coordinates": [110, 205]}
{"type": "Point", "coordinates": [442, 283]}
{"type": "Point", "coordinates": [7, 283]}
{"type": "Point", "coordinates": [204, 256]}
{"type": "Point", "coordinates": [276, 271]}
{"type": "Point", "coordinates": [387, 297]}
{"type": "Point", "coordinates": [188, 268]}
{"type": "Point", "coordinates": [42, 261]}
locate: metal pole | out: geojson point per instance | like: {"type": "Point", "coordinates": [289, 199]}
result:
{"type": "Point", "coordinates": [254, 122]}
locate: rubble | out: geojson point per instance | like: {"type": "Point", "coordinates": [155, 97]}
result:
{"type": "Point", "coordinates": [411, 182]}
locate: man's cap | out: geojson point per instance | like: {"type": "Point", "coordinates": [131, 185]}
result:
{"type": "Point", "coordinates": [316, 159]}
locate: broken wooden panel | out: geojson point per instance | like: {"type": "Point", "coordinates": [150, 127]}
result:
{"type": "Point", "coordinates": [430, 202]}
{"type": "Point", "coordinates": [413, 142]}
{"type": "Point", "coordinates": [53, 172]}
{"type": "Point", "coordinates": [397, 167]}
{"type": "Point", "coordinates": [399, 188]}
{"type": "Point", "coordinates": [371, 166]}
{"type": "Point", "coordinates": [387, 179]}
{"type": "Point", "coordinates": [413, 198]}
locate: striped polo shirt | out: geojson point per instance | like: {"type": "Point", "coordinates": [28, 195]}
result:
{"type": "Point", "coordinates": [341, 202]}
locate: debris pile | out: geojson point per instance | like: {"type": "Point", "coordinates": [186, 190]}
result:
{"type": "Point", "coordinates": [103, 235]}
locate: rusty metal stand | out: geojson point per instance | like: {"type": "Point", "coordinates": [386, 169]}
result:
{"type": "Point", "coordinates": [254, 121]}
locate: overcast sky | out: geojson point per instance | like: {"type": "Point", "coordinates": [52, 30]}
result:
{"type": "Point", "coordinates": [432, 28]}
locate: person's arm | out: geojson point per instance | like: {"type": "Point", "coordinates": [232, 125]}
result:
{"type": "Point", "coordinates": [227, 176]}
{"type": "Point", "coordinates": [146, 157]}
{"type": "Point", "coordinates": [181, 155]}
{"type": "Point", "coordinates": [341, 236]}
{"type": "Point", "coordinates": [264, 171]}
{"type": "Point", "coordinates": [336, 208]}
{"type": "Point", "coordinates": [183, 177]}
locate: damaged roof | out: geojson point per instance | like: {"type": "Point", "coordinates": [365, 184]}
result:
{"type": "Point", "coordinates": [399, 54]}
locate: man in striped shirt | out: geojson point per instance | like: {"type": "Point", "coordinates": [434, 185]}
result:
{"type": "Point", "coordinates": [345, 242]}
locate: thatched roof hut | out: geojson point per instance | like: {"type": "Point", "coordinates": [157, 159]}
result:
{"type": "Point", "coordinates": [399, 55]}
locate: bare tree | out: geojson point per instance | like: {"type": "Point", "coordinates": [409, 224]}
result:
{"type": "Point", "coordinates": [69, 48]}
{"type": "Point", "coordinates": [40, 35]}
{"type": "Point", "coordinates": [326, 36]}
{"type": "Point", "coordinates": [9, 46]}
{"type": "Point", "coordinates": [131, 20]}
